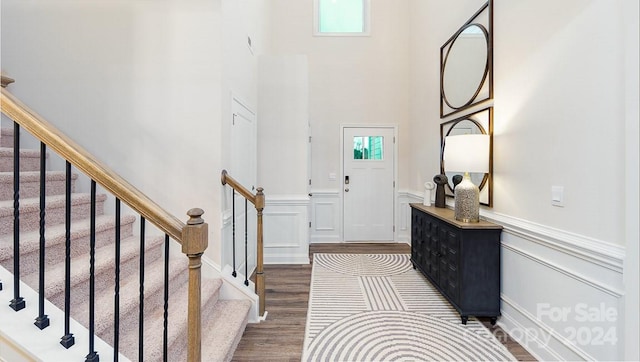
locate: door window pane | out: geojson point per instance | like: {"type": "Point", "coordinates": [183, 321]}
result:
{"type": "Point", "coordinates": [368, 148]}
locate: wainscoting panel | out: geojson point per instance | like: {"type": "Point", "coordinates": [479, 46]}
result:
{"type": "Point", "coordinates": [403, 219]}
{"type": "Point", "coordinates": [286, 230]}
{"type": "Point", "coordinates": [326, 216]}
{"type": "Point", "coordinates": [561, 292]}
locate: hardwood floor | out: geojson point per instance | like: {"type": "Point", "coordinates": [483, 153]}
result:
{"type": "Point", "coordinates": [281, 336]}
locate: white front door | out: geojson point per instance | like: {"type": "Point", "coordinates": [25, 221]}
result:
{"type": "Point", "coordinates": [368, 183]}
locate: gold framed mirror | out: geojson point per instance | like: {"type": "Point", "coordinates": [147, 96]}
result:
{"type": "Point", "coordinates": [466, 64]}
{"type": "Point", "coordinates": [480, 122]}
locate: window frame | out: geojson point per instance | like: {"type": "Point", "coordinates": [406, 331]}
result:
{"type": "Point", "coordinates": [366, 18]}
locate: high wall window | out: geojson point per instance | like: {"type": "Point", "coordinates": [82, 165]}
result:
{"type": "Point", "coordinates": [341, 17]}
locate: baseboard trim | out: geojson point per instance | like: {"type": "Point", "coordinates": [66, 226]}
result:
{"type": "Point", "coordinates": [286, 259]}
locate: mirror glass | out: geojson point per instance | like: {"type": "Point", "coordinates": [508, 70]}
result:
{"type": "Point", "coordinates": [479, 122]}
{"type": "Point", "coordinates": [465, 66]}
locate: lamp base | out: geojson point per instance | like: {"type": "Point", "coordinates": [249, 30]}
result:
{"type": "Point", "coordinates": [467, 201]}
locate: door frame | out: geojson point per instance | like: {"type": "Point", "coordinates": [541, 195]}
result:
{"type": "Point", "coordinates": [395, 172]}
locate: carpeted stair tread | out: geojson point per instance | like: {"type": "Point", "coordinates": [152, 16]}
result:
{"type": "Point", "coordinates": [30, 184]}
{"type": "Point", "coordinates": [54, 211]}
{"type": "Point", "coordinates": [29, 159]}
{"type": "Point", "coordinates": [55, 241]}
{"type": "Point", "coordinates": [54, 275]}
{"type": "Point", "coordinates": [33, 203]}
{"type": "Point", "coordinates": [218, 344]}
{"type": "Point", "coordinates": [130, 295]}
{"type": "Point", "coordinates": [177, 332]}
{"type": "Point", "coordinates": [6, 137]}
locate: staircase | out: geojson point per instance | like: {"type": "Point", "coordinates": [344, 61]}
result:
{"type": "Point", "coordinates": [223, 321]}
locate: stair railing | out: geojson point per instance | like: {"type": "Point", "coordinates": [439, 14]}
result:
{"type": "Point", "coordinates": [193, 236]}
{"type": "Point", "coordinates": [258, 202]}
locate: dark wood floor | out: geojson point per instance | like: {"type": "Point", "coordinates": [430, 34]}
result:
{"type": "Point", "coordinates": [281, 336]}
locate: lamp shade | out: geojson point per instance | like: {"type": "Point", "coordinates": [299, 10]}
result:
{"type": "Point", "coordinates": [466, 153]}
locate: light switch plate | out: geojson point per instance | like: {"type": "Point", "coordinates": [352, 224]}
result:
{"type": "Point", "coordinates": [557, 196]}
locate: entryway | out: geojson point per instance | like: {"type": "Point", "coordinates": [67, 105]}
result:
{"type": "Point", "coordinates": [368, 182]}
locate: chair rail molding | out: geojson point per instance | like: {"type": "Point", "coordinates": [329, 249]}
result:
{"type": "Point", "coordinates": [605, 254]}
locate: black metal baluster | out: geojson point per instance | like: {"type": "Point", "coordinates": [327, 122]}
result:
{"type": "Point", "coordinates": [17, 303]}
{"type": "Point", "coordinates": [93, 355]}
{"type": "Point", "coordinates": [141, 312]}
{"type": "Point", "coordinates": [42, 321]}
{"type": "Point", "coordinates": [246, 238]}
{"type": "Point", "coordinates": [233, 229]}
{"type": "Point", "coordinates": [67, 340]}
{"type": "Point", "coordinates": [165, 337]}
{"type": "Point", "coordinates": [116, 298]}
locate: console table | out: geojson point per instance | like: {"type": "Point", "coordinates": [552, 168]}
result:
{"type": "Point", "coordinates": [462, 260]}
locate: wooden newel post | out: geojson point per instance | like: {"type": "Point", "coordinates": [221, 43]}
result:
{"type": "Point", "coordinates": [194, 243]}
{"type": "Point", "coordinates": [260, 262]}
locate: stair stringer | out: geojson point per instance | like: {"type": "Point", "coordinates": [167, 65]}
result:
{"type": "Point", "coordinates": [232, 288]}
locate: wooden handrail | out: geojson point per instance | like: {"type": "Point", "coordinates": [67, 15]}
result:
{"type": "Point", "coordinates": [226, 179]}
{"type": "Point", "coordinates": [83, 161]}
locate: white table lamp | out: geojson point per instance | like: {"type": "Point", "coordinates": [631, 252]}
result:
{"type": "Point", "coordinates": [467, 153]}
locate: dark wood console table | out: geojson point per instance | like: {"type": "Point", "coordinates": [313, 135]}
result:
{"type": "Point", "coordinates": [462, 260]}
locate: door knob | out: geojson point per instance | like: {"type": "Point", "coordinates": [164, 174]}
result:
{"type": "Point", "coordinates": [346, 190]}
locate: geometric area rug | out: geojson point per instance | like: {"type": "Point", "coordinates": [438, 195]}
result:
{"type": "Point", "coordinates": [376, 307]}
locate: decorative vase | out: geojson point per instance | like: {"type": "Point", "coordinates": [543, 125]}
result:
{"type": "Point", "coordinates": [428, 188]}
{"type": "Point", "coordinates": [467, 195]}
{"type": "Point", "coordinates": [440, 180]}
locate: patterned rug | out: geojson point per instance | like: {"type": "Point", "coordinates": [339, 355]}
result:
{"type": "Point", "coordinates": [376, 307]}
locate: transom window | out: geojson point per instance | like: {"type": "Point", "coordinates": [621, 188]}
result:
{"type": "Point", "coordinates": [341, 17]}
{"type": "Point", "coordinates": [368, 148]}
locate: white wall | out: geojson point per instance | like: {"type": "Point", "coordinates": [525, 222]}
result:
{"type": "Point", "coordinates": [284, 124]}
{"type": "Point", "coordinates": [351, 79]}
{"type": "Point", "coordinates": [283, 156]}
{"type": "Point", "coordinates": [241, 20]}
{"type": "Point", "coordinates": [631, 9]}
{"type": "Point", "coordinates": [564, 100]}
{"type": "Point", "coordinates": [136, 83]}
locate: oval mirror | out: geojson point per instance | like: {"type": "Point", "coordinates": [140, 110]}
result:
{"type": "Point", "coordinates": [464, 126]}
{"type": "Point", "coordinates": [465, 66]}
